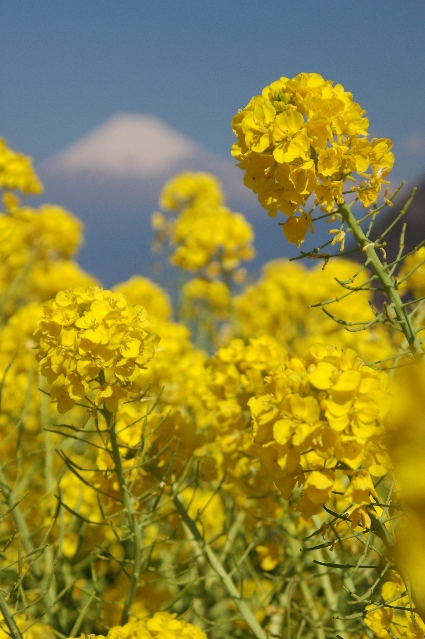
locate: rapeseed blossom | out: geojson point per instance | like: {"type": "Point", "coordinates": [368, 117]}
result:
{"type": "Point", "coordinates": [16, 171]}
{"type": "Point", "coordinates": [205, 230]}
{"type": "Point", "coordinates": [284, 418]}
{"type": "Point", "coordinates": [280, 304]}
{"type": "Point", "coordinates": [91, 340]}
{"type": "Point", "coordinates": [161, 625]}
{"type": "Point", "coordinates": [320, 419]}
{"type": "Point", "coordinates": [35, 250]}
{"type": "Point", "coordinates": [306, 136]}
{"type": "Point", "coordinates": [395, 619]}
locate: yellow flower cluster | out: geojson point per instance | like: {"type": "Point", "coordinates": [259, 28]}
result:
{"type": "Point", "coordinates": [205, 229]}
{"type": "Point", "coordinates": [305, 136]}
{"type": "Point", "coordinates": [162, 625]}
{"type": "Point", "coordinates": [204, 296]}
{"type": "Point", "coordinates": [407, 449]}
{"type": "Point", "coordinates": [35, 247]}
{"type": "Point", "coordinates": [16, 171]}
{"type": "Point", "coordinates": [392, 620]}
{"type": "Point", "coordinates": [141, 290]}
{"type": "Point", "coordinates": [278, 304]}
{"type": "Point", "coordinates": [215, 233]}
{"type": "Point", "coordinates": [91, 339]}
{"type": "Point", "coordinates": [188, 188]}
{"type": "Point", "coordinates": [319, 424]}
{"type": "Point", "coordinates": [235, 373]}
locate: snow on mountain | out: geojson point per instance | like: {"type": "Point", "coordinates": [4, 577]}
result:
{"type": "Point", "coordinates": [126, 160]}
{"type": "Point", "coordinates": [126, 145]}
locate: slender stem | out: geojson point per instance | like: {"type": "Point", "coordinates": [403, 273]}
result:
{"type": "Point", "coordinates": [9, 620]}
{"type": "Point", "coordinates": [308, 597]}
{"type": "Point", "coordinates": [27, 543]}
{"type": "Point", "coordinates": [388, 283]}
{"type": "Point", "coordinates": [131, 516]}
{"type": "Point", "coordinates": [330, 595]}
{"type": "Point", "coordinates": [218, 568]}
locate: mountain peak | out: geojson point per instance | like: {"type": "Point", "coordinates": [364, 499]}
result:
{"type": "Point", "coordinates": [125, 145]}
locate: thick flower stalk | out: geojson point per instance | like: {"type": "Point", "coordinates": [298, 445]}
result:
{"type": "Point", "coordinates": [306, 136]}
{"type": "Point", "coordinates": [91, 340]}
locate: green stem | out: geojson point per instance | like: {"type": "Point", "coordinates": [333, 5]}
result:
{"type": "Point", "coordinates": [219, 569]}
{"type": "Point", "coordinates": [21, 525]}
{"type": "Point", "coordinates": [131, 516]}
{"type": "Point", "coordinates": [308, 597]}
{"type": "Point", "coordinates": [388, 283]}
{"type": "Point", "coordinates": [330, 595]}
{"type": "Point", "coordinates": [9, 620]}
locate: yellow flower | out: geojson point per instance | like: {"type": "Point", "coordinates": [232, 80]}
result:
{"type": "Point", "coordinates": [161, 625]}
{"type": "Point", "coordinates": [90, 339]}
{"type": "Point", "coordinates": [206, 232]}
{"type": "Point", "coordinates": [191, 189]}
{"type": "Point", "coordinates": [295, 229]}
{"type": "Point", "coordinates": [291, 143]}
{"type": "Point", "coordinates": [379, 620]}
{"type": "Point", "coordinates": [308, 420]}
{"type": "Point", "coordinates": [307, 122]}
{"type": "Point", "coordinates": [16, 171]}
{"type": "Point", "coordinates": [256, 123]}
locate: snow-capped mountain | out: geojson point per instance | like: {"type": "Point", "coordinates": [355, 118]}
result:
{"type": "Point", "coordinates": [132, 156]}
{"type": "Point", "coordinates": [112, 177]}
{"type": "Point", "coordinates": [125, 145]}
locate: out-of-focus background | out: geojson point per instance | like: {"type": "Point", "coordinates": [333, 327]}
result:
{"type": "Point", "coordinates": [113, 98]}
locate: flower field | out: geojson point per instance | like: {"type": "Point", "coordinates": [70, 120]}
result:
{"type": "Point", "coordinates": [248, 460]}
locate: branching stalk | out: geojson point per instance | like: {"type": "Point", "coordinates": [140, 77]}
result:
{"type": "Point", "coordinates": [389, 283]}
{"type": "Point", "coordinates": [218, 567]}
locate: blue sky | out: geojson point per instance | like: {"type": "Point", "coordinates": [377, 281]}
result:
{"type": "Point", "coordinates": [68, 65]}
